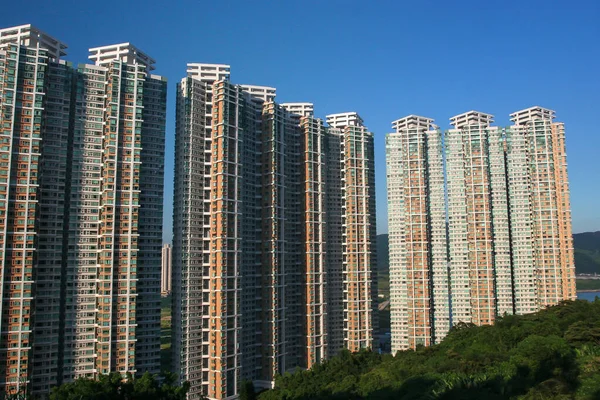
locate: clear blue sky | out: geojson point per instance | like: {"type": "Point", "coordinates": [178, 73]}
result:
{"type": "Point", "coordinates": [383, 59]}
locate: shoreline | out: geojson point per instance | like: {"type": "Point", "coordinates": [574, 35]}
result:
{"type": "Point", "coordinates": [589, 291]}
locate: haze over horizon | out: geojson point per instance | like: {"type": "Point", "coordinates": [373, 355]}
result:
{"type": "Point", "coordinates": [383, 60]}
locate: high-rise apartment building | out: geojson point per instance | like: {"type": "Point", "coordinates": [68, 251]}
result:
{"type": "Point", "coordinates": [351, 233]}
{"type": "Point", "coordinates": [166, 269]}
{"type": "Point", "coordinates": [339, 234]}
{"type": "Point", "coordinates": [509, 242]}
{"type": "Point", "coordinates": [540, 210]}
{"type": "Point", "coordinates": [23, 72]}
{"type": "Point", "coordinates": [191, 224]}
{"type": "Point", "coordinates": [314, 237]}
{"type": "Point", "coordinates": [478, 229]}
{"type": "Point", "coordinates": [420, 312]}
{"type": "Point", "coordinates": [83, 241]}
{"type": "Point", "coordinates": [251, 235]}
{"type": "Point", "coordinates": [282, 188]}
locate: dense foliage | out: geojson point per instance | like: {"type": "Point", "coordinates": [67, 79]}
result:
{"type": "Point", "coordinates": [552, 354]}
{"type": "Point", "coordinates": [247, 391]}
{"type": "Point", "coordinates": [114, 387]}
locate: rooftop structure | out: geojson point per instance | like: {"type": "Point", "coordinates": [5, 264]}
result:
{"type": "Point", "coordinates": [29, 35]}
{"type": "Point", "coordinates": [125, 52]}
{"type": "Point", "coordinates": [341, 120]}
{"type": "Point", "coordinates": [208, 72]}
{"type": "Point", "coordinates": [300, 109]}
{"type": "Point", "coordinates": [531, 113]}
{"type": "Point", "coordinates": [471, 118]}
{"type": "Point", "coordinates": [413, 122]}
{"type": "Point", "coordinates": [264, 93]}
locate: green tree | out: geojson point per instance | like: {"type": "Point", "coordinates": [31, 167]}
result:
{"type": "Point", "coordinates": [247, 391]}
{"type": "Point", "coordinates": [114, 387]}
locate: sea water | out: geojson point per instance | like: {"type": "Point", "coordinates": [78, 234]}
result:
{"type": "Point", "coordinates": [589, 296]}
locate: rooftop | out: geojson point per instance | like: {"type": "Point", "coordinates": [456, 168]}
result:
{"type": "Point", "coordinates": [341, 120]}
{"type": "Point", "coordinates": [29, 35]}
{"type": "Point", "coordinates": [125, 52]}
{"type": "Point", "coordinates": [532, 113]}
{"type": "Point", "coordinates": [471, 118]}
{"type": "Point", "coordinates": [208, 72]}
{"type": "Point", "coordinates": [413, 122]}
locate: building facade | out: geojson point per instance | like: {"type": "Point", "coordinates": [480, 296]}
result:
{"type": "Point", "coordinates": [191, 224]}
{"type": "Point", "coordinates": [358, 238]}
{"type": "Point", "coordinates": [251, 236]}
{"type": "Point", "coordinates": [314, 238]}
{"type": "Point", "coordinates": [509, 242]}
{"type": "Point", "coordinates": [94, 137]}
{"type": "Point", "coordinates": [540, 209]}
{"type": "Point", "coordinates": [166, 269]}
{"type": "Point", "coordinates": [478, 231]}
{"type": "Point", "coordinates": [420, 313]}
{"type": "Point", "coordinates": [351, 233]}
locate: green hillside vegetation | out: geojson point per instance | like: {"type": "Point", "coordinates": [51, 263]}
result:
{"type": "Point", "coordinates": [165, 334]}
{"type": "Point", "coordinates": [552, 354]}
{"type": "Point", "coordinates": [383, 266]}
{"type": "Point", "coordinates": [587, 252]}
{"type": "Point", "coordinates": [588, 284]}
{"type": "Point", "coordinates": [383, 260]}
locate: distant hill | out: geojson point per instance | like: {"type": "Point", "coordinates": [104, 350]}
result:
{"type": "Point", "coordinates": [587, 252]}
{"type": "Point", "coordinates": [383, 254]}
{"type": "Point", "coordinates": [383, 266]}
